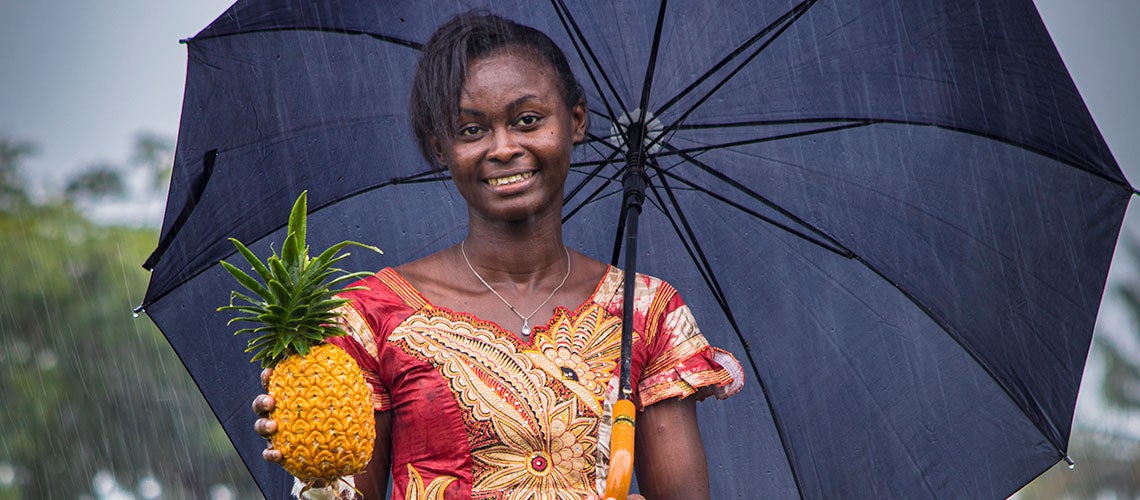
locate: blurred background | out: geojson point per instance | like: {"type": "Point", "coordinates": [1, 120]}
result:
{"type": "Point", "coordinates": [94, 403]}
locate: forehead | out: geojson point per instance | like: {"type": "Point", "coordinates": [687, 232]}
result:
{"type": "Point", "coordinates": [510, 71]}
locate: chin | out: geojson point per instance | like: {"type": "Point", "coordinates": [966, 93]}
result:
{"type": "Point", "coordinates": [520, 211]}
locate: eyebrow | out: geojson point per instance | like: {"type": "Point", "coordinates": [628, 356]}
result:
{"type": "Point", "coordinates": [513, 104]}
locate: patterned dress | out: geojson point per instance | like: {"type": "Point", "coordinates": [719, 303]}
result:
{"type": "Point", "coordinates": [479, 413]}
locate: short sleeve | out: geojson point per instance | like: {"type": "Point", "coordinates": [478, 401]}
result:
{"type": "Point", "coordinates": [680, 360]}
{"type": "Point", "coordinates": [360, 343]}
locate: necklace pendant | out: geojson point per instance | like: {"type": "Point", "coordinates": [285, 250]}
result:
{"type": "Point", "coordinates": [526, 328]}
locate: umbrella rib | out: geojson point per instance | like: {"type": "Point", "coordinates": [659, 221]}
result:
{"type": "Point", "coordinates": [842, 252]}
{"type": "Point", "coordinates": [716, 292]}
{"type": "Point", "coordinates": [592, 139]}
{"type": "Point", "coordinates": [1052, 435]}
{"type": "Point", "coordinates": [858, 122]}
{"type": "Point", "coordinates": [688, 237]}
{"type": "Point", "coordinates": [390, 39]}
{"type": "Point", "coordinates": [761, 199]}
{"type": "Point", "coordinates": [426, 176]}
{"type": "Point", "coordinates": [795, 12]}
{"type": "Point", "coordinates": [591, 175]}
{"type": "Point", "coordinates": [697, 255]}
{"type": "Point", "coordinates": [593, 195]}
{"type": "Point", "coordinates": [651, 69]}
{"type": "Point", "coordinates": [576, 36]}
{"type": "Point", "coordinates": [764, 123]}
{"type": "Point", "coordinates": [421, 177]}
{"type": "Point", "coordinates": [787, 20]}
{"type": "Point", "coordinates": [745, 142]}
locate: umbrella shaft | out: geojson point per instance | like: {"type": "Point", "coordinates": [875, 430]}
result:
{"type": "Point", "coordinates": [633, 212]}
{"type": "Point", "coordinates": [634, 183]}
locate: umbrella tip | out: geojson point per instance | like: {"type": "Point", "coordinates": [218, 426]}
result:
{"type": "Point", "coordinates": [1072, 465]}
{"type": "Point", "coordinates": [138, 310]}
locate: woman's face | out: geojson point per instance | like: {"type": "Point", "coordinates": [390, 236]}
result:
{"type": "Point", "coordinates": [509, 154]}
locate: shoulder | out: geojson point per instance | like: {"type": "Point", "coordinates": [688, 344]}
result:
{"type": "Point", "coordinates": [434, 277]}
{"type": "Point", "coordinates": [648, 290]}
{"type": "Point", "coordinates": [380, 302]}
{"type": "Point", "coordinates": [382, 287]}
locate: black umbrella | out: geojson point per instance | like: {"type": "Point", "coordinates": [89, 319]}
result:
{"type": "Point", "coordinates": [899, 215]}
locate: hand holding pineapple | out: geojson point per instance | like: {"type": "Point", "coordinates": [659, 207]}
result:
{"type": "Point", "coordinates": [318, 413]}
{"type": "Point", "coordinates": [263, 405]}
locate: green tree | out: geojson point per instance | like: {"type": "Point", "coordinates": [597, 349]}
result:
{"type": "Point", "coordinates": [88, 390]}
{"type": "Point", "coordinates": [13, 188]}
{"type": "Point", "coordinates": [101, 180]}
{"type": "Point", "coordinates": [154, 153]}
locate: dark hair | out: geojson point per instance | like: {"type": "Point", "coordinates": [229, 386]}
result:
{"type": "Point", "coordinates": [442, 70]}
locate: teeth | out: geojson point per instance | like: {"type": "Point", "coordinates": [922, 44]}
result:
{"type": "Point", "coordinates": [510, 179]}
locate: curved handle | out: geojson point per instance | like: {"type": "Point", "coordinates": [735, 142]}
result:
{"type": "Point", "coordinates": [621, 450]}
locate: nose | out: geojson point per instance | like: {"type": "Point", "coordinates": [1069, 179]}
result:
{"type": "Point", "coordinates": [504, 147]}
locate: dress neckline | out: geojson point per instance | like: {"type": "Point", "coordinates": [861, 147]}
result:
{"type": "Point", "coordinates": [610, 282]}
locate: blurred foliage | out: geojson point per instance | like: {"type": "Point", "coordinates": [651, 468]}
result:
{"type": "Point", "coordinates": [13, 188]}
{"type": "Point", "coordinates": [89, 391]}
{"type": "Point", "coordinates": [155, 154]}
{"type": "Point", "coordinates": [98, 181]}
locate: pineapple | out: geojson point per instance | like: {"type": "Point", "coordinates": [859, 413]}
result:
{"type": "Point", "coordinates": [325, 424]}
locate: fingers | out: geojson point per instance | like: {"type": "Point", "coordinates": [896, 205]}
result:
{"type": "Point", "coordinates": [271, 455]}
{"type": "Point", "coordinates": [263, 404]}
{"type": "Point", "coordinates": [265, 427]}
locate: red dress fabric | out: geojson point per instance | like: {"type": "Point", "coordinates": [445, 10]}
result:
{"type": "Point", "coordinates": [479, 413]}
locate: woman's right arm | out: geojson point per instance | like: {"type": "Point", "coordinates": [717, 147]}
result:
{"type": "Point", "coordinates": [373, 482]}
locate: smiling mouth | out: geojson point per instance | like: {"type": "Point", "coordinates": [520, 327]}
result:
{"type": "Point", "coordinates": [510, 179]}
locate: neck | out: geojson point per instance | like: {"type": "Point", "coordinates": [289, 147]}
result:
{"type": "Point", "coordinates": [528, 254]}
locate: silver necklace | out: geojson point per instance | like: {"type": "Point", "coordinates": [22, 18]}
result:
{"type": "Point", "coordinates": [526, 319]}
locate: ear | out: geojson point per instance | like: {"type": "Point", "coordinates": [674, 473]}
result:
{"type": "Point", "coordinates": [578, 119]}
{"type": "Point", "coordinates": [437, 151]}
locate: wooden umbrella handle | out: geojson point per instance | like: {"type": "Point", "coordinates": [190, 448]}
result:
{"type": "Point", "coordinates": [621, 450]}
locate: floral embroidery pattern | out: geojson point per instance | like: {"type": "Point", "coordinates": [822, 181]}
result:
{"type": "Point", "coordinates": [433, 491]}
{"type": "Point", "coordinates": [541, 402]}
{"type": "Point", "coordinates": [542, 465]}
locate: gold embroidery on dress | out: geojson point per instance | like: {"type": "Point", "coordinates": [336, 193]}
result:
{"type": "Point", "coordinates": [356, 326]}
{"type": "Point", "coordinates": [433, 491]}
{"type": "Point", "coordinates": [542, 401]}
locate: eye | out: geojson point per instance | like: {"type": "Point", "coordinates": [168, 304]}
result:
{"type": "Point", "coordinates": [528, 120]}
{"type": "Point", "coordinates": [469, 131]}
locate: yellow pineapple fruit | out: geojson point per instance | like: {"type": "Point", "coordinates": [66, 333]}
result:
{"type": "Point", "coordinates": [319, 436]}
{"type": "Point", "coordinates": [325, 422]}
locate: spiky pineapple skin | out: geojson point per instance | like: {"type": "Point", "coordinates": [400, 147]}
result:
{"type": "Point", "coordinates": [325, 422]}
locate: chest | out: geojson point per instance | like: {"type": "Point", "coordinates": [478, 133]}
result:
{"type": "Point", "coordinates": [466, 391]}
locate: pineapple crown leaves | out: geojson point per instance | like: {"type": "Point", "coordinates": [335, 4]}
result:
{"type": "Point", "coordinates": [295, 300]}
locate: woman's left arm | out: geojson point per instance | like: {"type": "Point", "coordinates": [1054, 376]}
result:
{"type": "Point", "coordinates": [670, 457]}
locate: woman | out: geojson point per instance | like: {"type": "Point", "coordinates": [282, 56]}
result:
{"type": "Point", "coordinates": [492, 361]}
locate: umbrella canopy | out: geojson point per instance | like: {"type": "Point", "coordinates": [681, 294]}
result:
{"type": "Point", "coordinates": [899, 215]}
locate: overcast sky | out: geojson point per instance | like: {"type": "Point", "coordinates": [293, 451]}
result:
{"type": "Point", "coordinates": [81, 77]}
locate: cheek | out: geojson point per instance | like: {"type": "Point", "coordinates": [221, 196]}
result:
{"type": "Point", "coordinates": [460, 156]}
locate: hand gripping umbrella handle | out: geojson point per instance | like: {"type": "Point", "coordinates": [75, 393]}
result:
{"type": "Point", "coordinates": [621, 450]}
